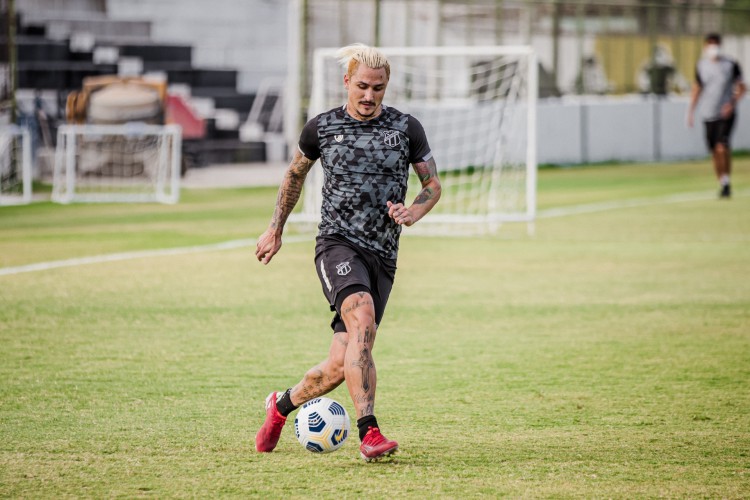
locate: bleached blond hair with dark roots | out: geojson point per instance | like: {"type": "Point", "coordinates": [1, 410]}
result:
{"type": "Point", "coordinates": [353, 55]}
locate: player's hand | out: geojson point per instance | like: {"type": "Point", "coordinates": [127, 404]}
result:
{"type": "Point", "coordinates": [269, 244]}
{"type": "Point", "coordinates": [727, 109]}
{"type": "Point", "coordinates": [689, 119]}
{"type": "Point", "coordinates": [400, 214]}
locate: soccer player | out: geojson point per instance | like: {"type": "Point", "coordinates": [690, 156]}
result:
{"type": "Point", "coordinates": [719, 86]}
{"type": "Point", "coordinates": [365, 149]}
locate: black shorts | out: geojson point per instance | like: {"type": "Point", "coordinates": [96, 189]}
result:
{"type": "Point", "coordinates": [345, 268]}
{"type": "Point", "coordinates": [719, 131]}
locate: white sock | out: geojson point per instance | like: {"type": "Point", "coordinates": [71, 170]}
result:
{"type": "Point", "coordinates": [724, 180]}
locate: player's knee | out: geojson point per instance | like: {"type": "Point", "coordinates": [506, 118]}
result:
{"type": "Point", "coordinates": [358, 307]}
{"type": "Point", "coordinates": [358, 313]}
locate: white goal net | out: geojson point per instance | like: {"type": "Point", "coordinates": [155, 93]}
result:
{"type": "Point", "coordinates": [478, 109]}
{"type": "Point", "coordinates": [117, 163]}
{"type": "Point", "coordinates": [15, 165]}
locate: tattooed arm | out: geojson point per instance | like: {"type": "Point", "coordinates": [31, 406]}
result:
{"type": "Point", "coordinates": [269, 243]}
{"type": "Point", "coordinates": [425, 200]}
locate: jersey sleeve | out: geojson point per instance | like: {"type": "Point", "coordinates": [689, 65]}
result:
{"type": "Point", "coordinates": [698, 77]}
{"type": "Point", "coordinates": [419, 148]}
{"type": "Point", "coordinates": [308, 140]}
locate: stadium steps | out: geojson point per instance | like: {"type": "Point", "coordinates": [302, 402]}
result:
{"type": "Point", "coordinates": [47, 61]}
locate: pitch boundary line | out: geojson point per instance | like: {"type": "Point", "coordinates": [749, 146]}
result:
{"type": "Point", "coordinates": [631, 203]}
{"type": "Point", "coordinates": [243, 243]}
{"type": "Point", "coordinates": [138, 254]}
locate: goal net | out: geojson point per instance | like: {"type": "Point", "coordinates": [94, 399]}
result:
{"type": "Point", "coordinates": [15, 165]}
{"type": "Point", "coordinates": [127, 163]}
{"type": "Point", "coordinates": [478, 109]}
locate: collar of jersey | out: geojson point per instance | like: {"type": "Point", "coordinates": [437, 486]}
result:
{"type": "Point", "coordinates": [383, 107]}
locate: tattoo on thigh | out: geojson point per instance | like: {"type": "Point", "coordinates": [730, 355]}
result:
{"type": "Point", "coordinates": [356, 305]}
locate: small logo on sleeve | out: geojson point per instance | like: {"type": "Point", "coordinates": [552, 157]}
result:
{"type": "Point", "coordinates": [338, 138]}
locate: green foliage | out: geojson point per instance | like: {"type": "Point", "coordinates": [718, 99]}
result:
{"type": "Point", "coordinates": [737, 16]}
{"type": "Point", "coordinates": [607, 356]}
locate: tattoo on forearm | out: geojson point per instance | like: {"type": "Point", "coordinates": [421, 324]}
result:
{"type": "Point", "coordinates": [426, 171]}
{"type": "Point", "coordinates": [424, 196]}
{"type": "Point", "coordinates": [290, 189]}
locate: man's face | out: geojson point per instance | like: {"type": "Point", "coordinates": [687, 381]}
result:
{"type": "Point", "coordinates": [365, 88]}
{"type": "Point", "coordinates": [712, 50]}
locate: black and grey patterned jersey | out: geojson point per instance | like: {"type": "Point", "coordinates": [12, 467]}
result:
{"type": "Point", "coordinates": [365, 164]}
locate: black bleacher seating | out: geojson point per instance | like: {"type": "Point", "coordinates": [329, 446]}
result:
{"type": "Point", "coordinates": [44, 63]}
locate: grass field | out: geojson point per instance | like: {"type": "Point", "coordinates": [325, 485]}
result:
{"type": "Point", "coordinates": [608, 356]}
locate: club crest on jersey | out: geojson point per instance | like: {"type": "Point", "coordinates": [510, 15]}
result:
{"type": "Point", "coordinates": [338, 138]}
{"type": "Point", "coordinates": [391, 138]}
{"type": "Point", "coordinates": [343, 269]}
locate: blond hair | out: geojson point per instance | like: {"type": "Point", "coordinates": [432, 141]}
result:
{"type": "Point", "coordinates": [352, 55]}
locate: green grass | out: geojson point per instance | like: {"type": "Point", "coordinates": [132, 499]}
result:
{"type": "Point", "coordinates": [607, 356]}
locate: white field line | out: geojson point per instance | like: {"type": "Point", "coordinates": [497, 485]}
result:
{"type": "Point", "coordinates": [228, 245]}
{"type": "Point", "coordinates": [115, 257]}
{"type": "Point", "coordinates": [631, 203]}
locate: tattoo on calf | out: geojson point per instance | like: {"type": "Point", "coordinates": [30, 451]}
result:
{"type": "Point", "coordinates": [313, 384]}
{"type": "Point", "coordinates": [365, 363]}
{"type": "Point", "coordinates": [368, 402]}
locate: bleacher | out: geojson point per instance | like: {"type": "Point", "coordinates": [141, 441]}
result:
{"type": "Point", "coordinates": [58, 49]}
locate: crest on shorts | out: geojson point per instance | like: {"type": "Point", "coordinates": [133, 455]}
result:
{"type": "Point", "coordinates": [343, 269]}
{"type": "Point", "coordinates": [338, 137]}
{"type": "Point", "coordinates": [391, 138]}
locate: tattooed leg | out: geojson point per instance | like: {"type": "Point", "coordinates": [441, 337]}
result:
{"type": "Point", "coordinates": [358, 313]}
{"type": "Point", "coordinates": [326, 376]}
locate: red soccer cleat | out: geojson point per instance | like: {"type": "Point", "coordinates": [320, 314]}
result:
{"type": "Point", "coordinates": [375, 445]}
{"type": "Point", "coordinates": [268, 435]}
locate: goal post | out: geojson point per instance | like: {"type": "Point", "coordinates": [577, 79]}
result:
{"type": "Point", "coordinates": [134, 162]}
{"type": "Point", "coordinates": [478, 108]}
{"type": "Point", "coordinates": [15, 165]}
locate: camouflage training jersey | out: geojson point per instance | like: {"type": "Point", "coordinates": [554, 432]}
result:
{"type": "Point", "coordinates": [365, 165]}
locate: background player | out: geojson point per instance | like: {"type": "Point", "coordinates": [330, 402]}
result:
{"type": "Point", "coordinates": [719, 86]}
{"type": "Point", "coordinates": [365, 150]}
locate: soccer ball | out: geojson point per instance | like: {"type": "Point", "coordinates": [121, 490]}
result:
{"type": "Point", "coordinates": [322, 425]}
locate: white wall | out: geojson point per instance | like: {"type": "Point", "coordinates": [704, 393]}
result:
{"type": "Point", "coordinates": [247, 35]}
{"type": "Point", "coordinates": [624, 129]}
